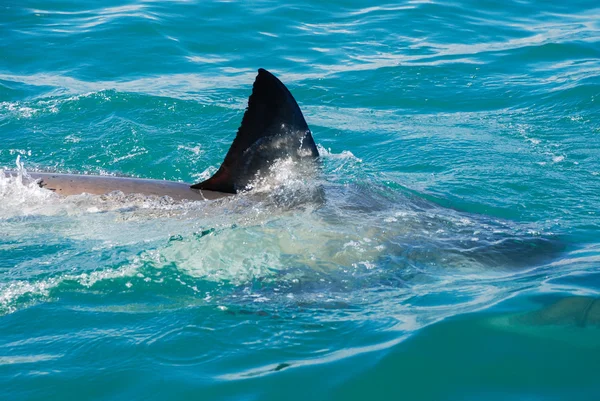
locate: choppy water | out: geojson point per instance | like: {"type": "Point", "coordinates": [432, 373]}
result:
{"type": "Point", "coordinates": [459, 188]}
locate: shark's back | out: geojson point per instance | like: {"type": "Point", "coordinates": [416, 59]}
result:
{"type": "Point", "coordinates": [75, 184]}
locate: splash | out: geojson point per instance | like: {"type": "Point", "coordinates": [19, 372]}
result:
{"type": "Point", "coordinates": [20, 194]}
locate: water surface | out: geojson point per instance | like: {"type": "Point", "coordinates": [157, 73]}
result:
{"type": "Point", "coordinates": [458, 194]}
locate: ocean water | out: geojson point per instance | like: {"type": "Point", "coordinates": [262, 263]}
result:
{"type": "Point", "coordinates": [452, 252]}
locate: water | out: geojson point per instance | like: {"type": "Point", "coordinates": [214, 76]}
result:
{"type": "Point", "coordinates": [458, 197]}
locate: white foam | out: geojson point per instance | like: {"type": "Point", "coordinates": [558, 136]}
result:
{"type": "Point", "coordinates": [20, 195]}
{"type": "Point", "coordinates": [11, 292]}
{"type": "Point", "coordinates": [345, 154]}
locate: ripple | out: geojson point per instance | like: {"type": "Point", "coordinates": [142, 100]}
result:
{"type": "Point", "coordinates": [81, 21]}
{"type": "Point", "coordinates": [23, 359]}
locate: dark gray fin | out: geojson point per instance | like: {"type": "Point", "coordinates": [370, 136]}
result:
{"type": "Point", "coordinates": [273, 127]}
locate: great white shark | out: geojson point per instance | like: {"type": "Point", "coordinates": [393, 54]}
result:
{"type": "Point", "coordinates": [272, 128]}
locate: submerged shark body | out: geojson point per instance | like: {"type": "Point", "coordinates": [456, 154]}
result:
{"type": "Point", "coordinates": [272, 128]}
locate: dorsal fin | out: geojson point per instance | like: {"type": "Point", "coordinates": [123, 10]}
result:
{"type": "Point", "coordinates": [273, 127]}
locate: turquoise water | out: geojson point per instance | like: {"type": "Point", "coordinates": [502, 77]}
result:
{"type": "Point", "coordinates": [459, 194]}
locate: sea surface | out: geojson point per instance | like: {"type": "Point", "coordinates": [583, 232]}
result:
{"type": "Point", "coordinates": [447, 249]}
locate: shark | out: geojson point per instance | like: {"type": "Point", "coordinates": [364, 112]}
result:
{"type": "Point", "coordinates": [272, 128]}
